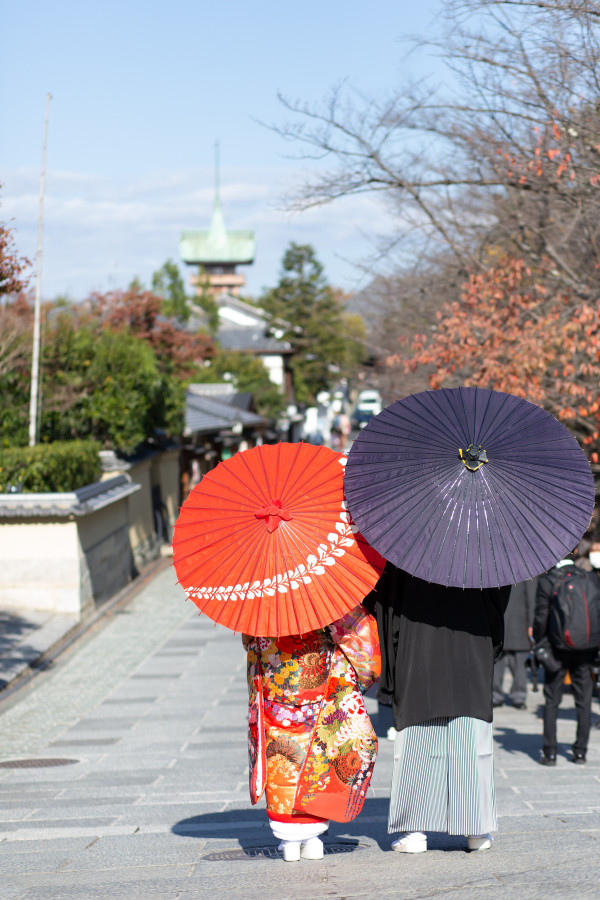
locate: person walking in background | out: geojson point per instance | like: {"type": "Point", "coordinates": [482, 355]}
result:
{"type": "Point", "coordinates": [312, 747]}
{"type": "Point", "coordinates": [567, 624]}
{"type": "Point", "coordinates": [340, 431]}
{"type": "Point", "coordinates": [518, 622]}
{"type": "Point", "coordinates": [437, 648]}
{"type": "Point", "coordinates": [582, 559]}
{"type": "Point", "coordinates": [345, 428]}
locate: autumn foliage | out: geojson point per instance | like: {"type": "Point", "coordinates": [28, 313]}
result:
{"type": "Point", "coordinates": [495, 176]}
{"type": "Point", "coordinates": [509, 332]}
{"type": "Point", "coordinates": [138, 312]}
{"type": "Point", "coordinates": [531, 326]}
{"type": "Point", "coordinates": [13, 268]}
{"type": "Point", "coordinates": [115, 369]}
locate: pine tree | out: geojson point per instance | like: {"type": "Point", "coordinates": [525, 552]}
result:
{"type": "Point", "coordinates": [306, 311]}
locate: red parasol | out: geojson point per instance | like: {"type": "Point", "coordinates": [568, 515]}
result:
{"type": "Point", "coordinates": [264, 543]}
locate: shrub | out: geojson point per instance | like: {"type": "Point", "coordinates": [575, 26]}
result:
{"type": "Point", "coordinates": [60, 466]}
{"type": "Point", "coordinates": [99, 384]}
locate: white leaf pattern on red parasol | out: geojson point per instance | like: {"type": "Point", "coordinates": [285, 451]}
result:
{"type": "Point", "coordinates": [314, 566]}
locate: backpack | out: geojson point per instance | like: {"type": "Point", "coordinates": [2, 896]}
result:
{"type": "Point", "coordinates": [574, 616]}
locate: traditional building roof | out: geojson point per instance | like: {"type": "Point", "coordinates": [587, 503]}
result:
{"type": "Point", "coordinates": [213, 408]}
{"type": "Point", "coordinates": [244, 327]}
{"type": "Point", "coordinates": [217, 246]}
{"type": "Point", "coordinates": [252, 340]}
{"type": "Point", "coordinates": [80, 502]}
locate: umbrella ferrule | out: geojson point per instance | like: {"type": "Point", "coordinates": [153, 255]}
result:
{"type": "Point", "coordinates": [473, 457]}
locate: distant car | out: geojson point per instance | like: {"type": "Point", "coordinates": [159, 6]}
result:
{"type": "Point", "coordinates": [369, 399]}
{"type": "Point", "coordinates": [368, 404]}
{"type": "Point", "coordinates": [360, 417]}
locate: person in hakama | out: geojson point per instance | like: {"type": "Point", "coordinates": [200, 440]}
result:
{"type": "Point", "coordinates": [438, 646]}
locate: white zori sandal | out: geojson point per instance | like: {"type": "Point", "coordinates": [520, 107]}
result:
{"type": "Point", "coordinates": [479, 841]}
{"type": "Point", "coordinates": [412, 842]}
{"type": "Point", "coordinates": [299, 841]}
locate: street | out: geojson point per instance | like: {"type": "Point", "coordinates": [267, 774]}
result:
{"type": "Point", "coordinates": [142, 725]}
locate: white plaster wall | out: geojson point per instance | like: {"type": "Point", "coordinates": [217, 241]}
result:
{"type": "Point", "coordinates": [40, 566]}
{"type": "Point", "coordinates": [65, 565]}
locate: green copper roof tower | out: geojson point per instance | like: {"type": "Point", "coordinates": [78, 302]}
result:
{"type": "Point", "coordinates": [218, 251]}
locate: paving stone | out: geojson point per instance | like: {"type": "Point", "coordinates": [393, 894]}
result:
{"type": "Point", "coordinates": [84, 742]}
{"type": "Point", "coordinates": [12, 891]}
{"type": "Point", "coordinates": [167, 814]}
{"type": "Point", "coordinates": [170, 689]}
{"type": "Point", "coordinates": [59, 845]}
{"type": "Point", "coordinates": [155, 675]}
{"type": "Point", "coordinates": [44, 820]}
{"type": "Point", "coordinates": [137, 850]}
{"type": "Point", "coordinates": [126, 881]}
{"type": "Point", "coordinates": [129, 700]}
{"type": "Point", "coordinates": [115, 778]}
{"type": "Point", "coordinates": [10, 796]}
{"type": "Point", "coordinates": [101, 724]}
{"type": "Point", "coordinates": [22, 863]}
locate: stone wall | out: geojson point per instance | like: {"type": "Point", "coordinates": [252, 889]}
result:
{"type": "Point", "coordinates": [70, 552]}
{"type": "Point", "coordinates": [65, 553]}
{"type": "Point", "coordinates": [153, 511]}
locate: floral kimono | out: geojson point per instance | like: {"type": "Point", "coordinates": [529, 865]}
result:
{"type": "Point", "coordinates": [312, 747]}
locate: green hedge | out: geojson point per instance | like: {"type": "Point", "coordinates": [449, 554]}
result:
{"type": "Point", "coordinates": [59, 466]}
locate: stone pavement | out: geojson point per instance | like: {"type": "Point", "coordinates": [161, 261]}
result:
{"type": "Point", "coordinates": [30, 639]}
{"type": "Point", "coordinates": [26, 636]}
{"type": "Point", "coordinates": [143, 720]}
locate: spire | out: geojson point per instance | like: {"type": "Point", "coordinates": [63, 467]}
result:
{"type": "Point", "coordinates": [217, 234]}
{"type": "Point", "coordinates": [218, 250]}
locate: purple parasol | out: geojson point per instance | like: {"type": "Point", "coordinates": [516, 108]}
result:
{"type": "Point", "coordinates": [469, 487]}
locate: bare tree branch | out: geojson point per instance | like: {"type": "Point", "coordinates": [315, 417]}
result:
{"type": "Point", "coordinates": [509, 155]}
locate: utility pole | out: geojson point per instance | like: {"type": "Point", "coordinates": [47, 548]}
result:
{"type": "Point", "coordinates": [35, 360]}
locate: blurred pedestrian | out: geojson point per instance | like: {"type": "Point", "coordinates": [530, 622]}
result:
{"type": "Point", "coordinates": [518, 622]}
{"type": "Point", "coordinates": [589, 551]}
{"type": "Point", "coordinates": [582, 557]}
{"type": "Point", "coordinates": [594, 555]}
{"type": "Point", "coordinates": [312, 746]}
{"type": "Point", "coordinates": [438, 646]}
{"type": "Point", "coordinates": [336, 435]}
{"type": "Point", "coordinates": [344, 429]}
{"type": "Point", "coordinates": [567, 625]}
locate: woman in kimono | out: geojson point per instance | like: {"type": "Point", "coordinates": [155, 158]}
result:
{"type": "Point", "coordinates": [438, 646]}
{"type": "Point", "coordinates": [311, 744]}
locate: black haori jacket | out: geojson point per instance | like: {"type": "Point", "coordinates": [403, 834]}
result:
{"type": "Point", "coordinates": [438, 646]}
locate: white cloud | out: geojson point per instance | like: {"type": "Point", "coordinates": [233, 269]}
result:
{"type": "Point", "coordinates": [100, 232]}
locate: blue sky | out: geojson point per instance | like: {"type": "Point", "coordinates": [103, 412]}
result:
{"type": "Point", "coordinates": [141, 93]}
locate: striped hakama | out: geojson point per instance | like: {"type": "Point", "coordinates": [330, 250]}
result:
{"type": "Point", "coordinates": [443, 778]}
